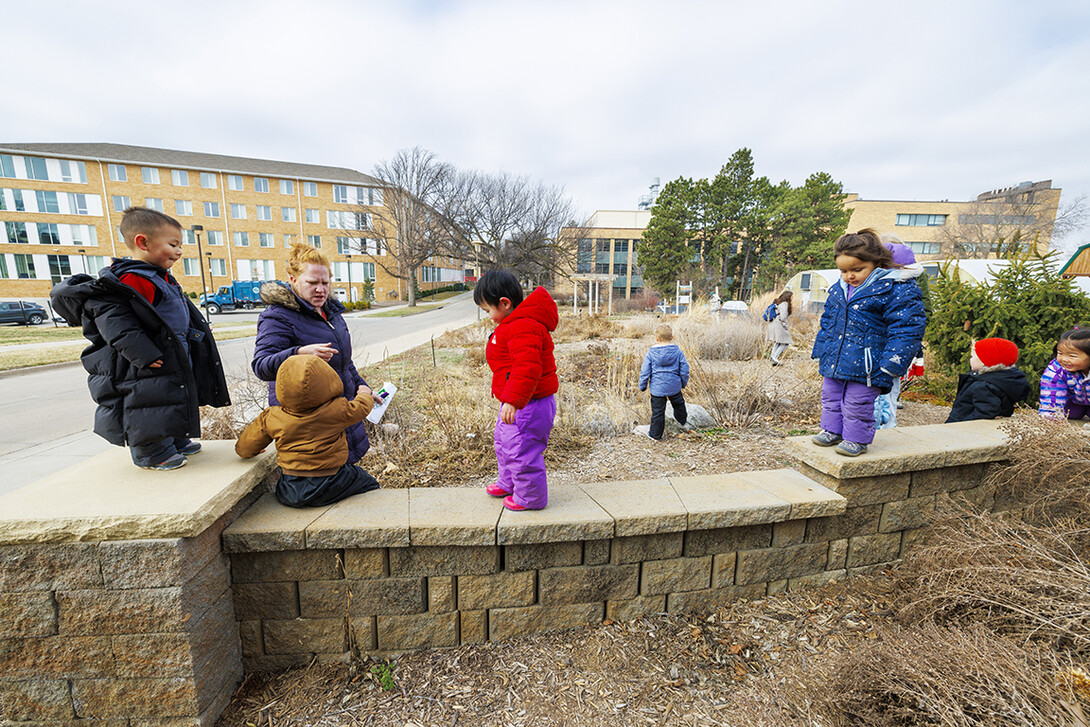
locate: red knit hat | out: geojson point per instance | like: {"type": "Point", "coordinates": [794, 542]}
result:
{"type": "Point", "coordinates": [996, 351]}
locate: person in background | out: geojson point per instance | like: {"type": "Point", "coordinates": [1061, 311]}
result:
{"type": "Point", "coordinates": [994, 384]}
{"type": "Point", "coordinates": [1065, 383]}
{"type": "Point", "coordinates": [777, 330]}
{"type": "Point", "coordinates": [666, 371]}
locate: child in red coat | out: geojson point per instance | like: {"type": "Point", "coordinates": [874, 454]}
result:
{"type": "Point", "coordinates": [520, 354]}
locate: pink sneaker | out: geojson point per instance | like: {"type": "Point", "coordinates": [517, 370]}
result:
{"type": "Point", "coordinates": [496, 491]}
{"type": "Point", "coordinates": [510, 504]}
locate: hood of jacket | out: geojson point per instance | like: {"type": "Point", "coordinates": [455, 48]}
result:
{"type": "Point", "coordinates": [304, 383]}
{"type": "Point", "coordinates": [278, 293]}
{"type": "Point", "coordinates": [665, 354]}
{"type": "Point", "coordinates": [538, 306]}
{"type": "Point", "coordinates": [1009, 380]}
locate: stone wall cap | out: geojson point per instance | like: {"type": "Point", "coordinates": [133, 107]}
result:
{"type": "Point", "coordinates": [807, 498]}
{"type": "Point", "coordinates": [106, 497]}
{"type": "Point", "coordinates": [269, 526]}
{"type": "Point", "coordinates": [640, 507]}
{"type": "Point", "coordinates": [452, 516]}
{"type": "Point", "coordinates": [727, 501]}
{"type": "Point", "coordinates": [375, 519]}
{"type": "Point", "coordinates": [571, 515]}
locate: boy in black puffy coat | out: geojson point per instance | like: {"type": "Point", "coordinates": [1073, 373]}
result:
{"type": "Point", "coordinates": [993, 386]}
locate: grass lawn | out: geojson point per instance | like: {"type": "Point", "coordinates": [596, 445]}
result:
{"type": "Point", "coordinates": [398, 312]}
{"type": "Point", "coordinates": [10, 335]}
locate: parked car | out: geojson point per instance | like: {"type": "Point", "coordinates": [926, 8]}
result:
{"type": "Point", "coordinates": [23, 312]}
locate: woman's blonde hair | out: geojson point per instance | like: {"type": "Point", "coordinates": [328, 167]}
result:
{"type": "Point", "coordinates": [300, 255]}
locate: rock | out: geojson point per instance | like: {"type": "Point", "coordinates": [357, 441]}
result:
{"type": "Point", "coordinates": [389, 430]}
{"type": "Point", "coordinates": [699, 418]}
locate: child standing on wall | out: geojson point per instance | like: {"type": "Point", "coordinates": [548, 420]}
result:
{"type": "Point", "coordinates": [152, 361]}
{"type": "Point", "coordinates": [520, 354]}
{"type": "Point", "coordinates": [871, 328]}
{"type": "Point", "coordinates": [666, 371]}
{"type": "Point", "coordinates": [1065, 383]}
{"type": "Point", "coordinates": [994, 384]}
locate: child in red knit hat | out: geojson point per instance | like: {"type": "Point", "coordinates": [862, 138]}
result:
{"type": "Point", "coordinates": [993, 386]}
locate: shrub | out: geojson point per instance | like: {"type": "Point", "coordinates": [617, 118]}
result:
{"type": "Point", "coordinates": [738, 338]}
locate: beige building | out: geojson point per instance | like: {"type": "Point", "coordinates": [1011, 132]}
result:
{"type": "Point", "coordinates": [607, 246]}
{"type": "Point", "coordinates": [61, 205]}
{"type": "Point", "coordinates": [943, 228]}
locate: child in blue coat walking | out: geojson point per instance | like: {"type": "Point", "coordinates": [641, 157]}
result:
{"type": "Point", "coordinates": [871, 329]}
{"type": "Point", "coordinates": [666, 371]}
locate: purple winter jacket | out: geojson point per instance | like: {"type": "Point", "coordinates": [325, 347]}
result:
{"type": "Point", "coordinates": [289, 323]}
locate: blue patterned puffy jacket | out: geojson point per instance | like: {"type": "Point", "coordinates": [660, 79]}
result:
{"type": "Point", "coordinates": [873, 337]}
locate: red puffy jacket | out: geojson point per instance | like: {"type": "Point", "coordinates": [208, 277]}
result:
{"type": "Point", "coordinates": [520, 351]}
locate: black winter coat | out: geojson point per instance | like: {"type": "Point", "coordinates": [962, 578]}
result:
{"type": "Point", "coordinates": [988, 394]}
{"type": "Point", "coordinates": [138, 404]}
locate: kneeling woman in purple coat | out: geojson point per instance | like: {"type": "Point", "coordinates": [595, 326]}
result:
{"type": "Point", "coordinates": [303, 319]}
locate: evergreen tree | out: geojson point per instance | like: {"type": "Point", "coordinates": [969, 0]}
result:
{"type": "Point", "coordinates": [806, 222]}
{"type": "Point", "coordinates": [664, 251]}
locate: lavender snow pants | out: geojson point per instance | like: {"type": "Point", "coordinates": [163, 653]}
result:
{"type": "Point", "coordinates": [520, 452]}
{"type": "Point", "coordinates": [847, 409]}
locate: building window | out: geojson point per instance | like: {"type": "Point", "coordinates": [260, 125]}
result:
{"type": "Point", "coordinates": [312, 216]}
{"type": "Point", "coordinates": [904, 220]}
{"type": "Point", "coordinates": [620, 246]}
{"type": "Point", "coordinates": [154, 203]}
{"type": "Point", "coordinates": [265, 239]}
{"type": "Point", "coordinates": [217, 266]}
{"type": "Point", "coordinates": [310, 189]}
{"type": "Point", "coordinates": [261, 184]}
{"type": "Point", "coordinates": [48, 202]}
{"type": "Point", "coordinates": [17, 198]}
{"type": "Point", "coordinates": [73, 172]}
{"type": "Point", "coordinates": [287, 186]}
{"type": "Point", "coordinates": [150, 175]}
{"type": "Point", "coordinates": [238, 211]}
{"type": "Point", "coordinates": [340, 194]}
{"type": "Point", "coordinates": [992, 220]}
{"type": "Point", "coordinates": [208, 180]}
{"type": "Point", "coordinates": [7, 166]}
{"type": "Point", "coordinates": [242, 239]}
{"type": "Point", "coordinates": [183, 208]}
{"type": "Point", "coordinates": [84, 235]}
{"type": "Point", "coordinates": [234, 182]}
{"type": "Point", "coordinates": [24, 266]}
{"type": "Point", "coordinates": [36, 168]}
{"type": "Point", "coordinates": [215, 237]}
{"type": "Point", "coordinates": [314, 240]}
{"type": "Point", "coordinates": [289, 240]}
{"type": "Point", "coordinates": [340, 220]}
{"type": "Point", "coordinates": [121, 202]}
{"type": "Point", "coordinates": [179, 177]}
{"type": "Point", "coordinates": [264, 212]}
{"type": "Point", "coordinates": [211, 209]}
{"type": "Point", "coordinates": [602, 246]}
{"type": "Point", "coordinates": [189, 237]}
{"type": "Point", "coordinates": [16, 233]}
{"type": "Point", "coordinates": [191, 266]}
{"type": "Point", "coordinates": [77, 203]}
{"type": "Point", "coordinates": [117, 172]}
{"type": "Point", "coordinates": [924, 248]}
{"type": "Point", "coordinates": [93, 264]}
{"type": "Point", "coordinates": [287, 214]}
{"type": "Point", "coordinates": [48, 234]}
{"type": "Point", "coordinates": [60, 267]}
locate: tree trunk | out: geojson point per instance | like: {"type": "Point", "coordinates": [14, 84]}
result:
{"type": "Point", "coordinates": [411, 282]}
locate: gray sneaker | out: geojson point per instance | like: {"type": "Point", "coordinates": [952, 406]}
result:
{"type": "Point", "coordinates": [171, 463]}
{"type": "Point", "coordinates": [851, 449]}
{"type": "Point", "coordinates": [826, 439]}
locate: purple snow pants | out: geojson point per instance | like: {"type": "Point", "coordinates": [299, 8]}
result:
{"type": "Point", "coordinates": [520, 452]}
{"type": "Point", "coordinates": [847, 409]}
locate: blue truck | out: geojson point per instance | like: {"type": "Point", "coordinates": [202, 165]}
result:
{"type": "Point", "coordinates": [244, 294]}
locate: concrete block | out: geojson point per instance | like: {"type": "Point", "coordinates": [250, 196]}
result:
{"type": "Point", "coordinates": [252, 641]}
{"type": "Point", "coordinates": [441, 594]}
{"type": "Point", "coordinates": [305, 636]}
{"type": "Point", "coordinates": [791, 532]}
{"type": "Point", "coordinates": [363, 634]}
{"type": "Point", "coordinates": [499, 590]}
{"type": "Point", "coordinates": [37, 699]}
{"type": "Point", "coordinates": [964, 445]}
{"type": "Point", "coordinates": [863, 490]}
{"type": "Point", "coordinates": [912, 539]}
{"type": "Point", "coordinates": [596, 552]}
{"type": "Point", "coordinates": [257, 601]}
{"type": "Point", "coordinates": [444, 561]}
{"type": "Point", "coordinates": [855, 521]}
{"type": "Point", "coordinates": [727, 540]}
{"type": "Point", "coordinates": [727, 500]}
{"type": "Point", "coordinates": [543, 555]}
{"type": "Point", "coordinates": [633, 608]}
{"type": "Point", "coordinates": [27, 614]}
{"type": "Point", "coordinates": [57, 657]}
{"type": "Point", "coordinates": [946, 479]}
{"type": "Point", "coordinates": [981, 497]}
{"type": "Point", "coordinates": [571, 515]}
{"type": "Point", "coordinates": [838, 554]}
{"type": "Point", "coordinates": [48, 567]}
{"type": "Point", "coordinates": [453, 516]}
{"type": "Point", "coordinates": [127, 698]}
{"type": "Point", "coordinates": [511, 623]}
{"type": "Point", "coordinates": [640, 507]}
{"type": "Point", "coordinates": [774, 564]}
{"type": "Point", "coordinates": [638, 548]}
{"type": "Point", "coordinates": [364, 563]}
{"type": "Point", "coordinates": [586, 584]}
{"type": "Point", "coordinates": [156, 563]}
{"type": "Point", "coordinates": [375, 519]}
{"type": "Point", "coordinates": [333, 599]}
{"type": "Point", "coordinates": [473, 626]}
{"type": "Point", "coordinates": [723, 566]}
{"type": "Point", "coordinates": [275, 662]}
{"type": "Point", "coordinates": [807, 497]}
{"type": "Point", "coordinates": [775, 588]}
{"type": "Point", "coordinates": [712, 599]}
{"type": "Point", "coordinates": [423, 631]}
{"type": "Point", "coordinates": [815, 580]}
{"type": "Point", "coordinates": [875, 569]}
{"type": "Point", "coordinates": [916, 512]}
{"type": "Point", "coordinates": [288, 565]}
{"type": "Point", "coordinates": [659, 577]}
{"type": "Point", "coordinates": [270, 526]}
{"type": "Point", "coordinates": [870, 549]}
{"type": "Point", "coordinates": [177, 655]}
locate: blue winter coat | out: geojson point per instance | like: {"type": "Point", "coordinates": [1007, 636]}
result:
{"type": "Point", "coordinates": [289, 323]}
{"type": "Point", "coordinates": [873, 337]}
{"type": "Point", "coordinates": [665, 368]}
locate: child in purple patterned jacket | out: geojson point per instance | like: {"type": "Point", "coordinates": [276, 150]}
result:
{"type": "Point", "coordinates": [1065, 383]}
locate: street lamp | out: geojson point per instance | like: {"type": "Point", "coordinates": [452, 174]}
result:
{"type": "Point", "coordinates": [197, 230]}
{"type": "Point", "coordinates": [348, 255]}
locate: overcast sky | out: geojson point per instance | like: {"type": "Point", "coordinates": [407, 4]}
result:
{"type": "Point", "coordinates": [925, 100]}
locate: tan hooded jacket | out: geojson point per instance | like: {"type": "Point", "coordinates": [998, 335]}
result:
{"type": "Point", "coordinates": [308, 425]}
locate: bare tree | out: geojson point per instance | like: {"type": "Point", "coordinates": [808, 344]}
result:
{"type": "Point", "coordinates": [412, 222]}
{"type": "Point", "coordinates": [1026, 218]}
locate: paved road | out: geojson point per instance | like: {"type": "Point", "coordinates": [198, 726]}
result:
{"type": "Point", "coordinates": [46, 415]}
